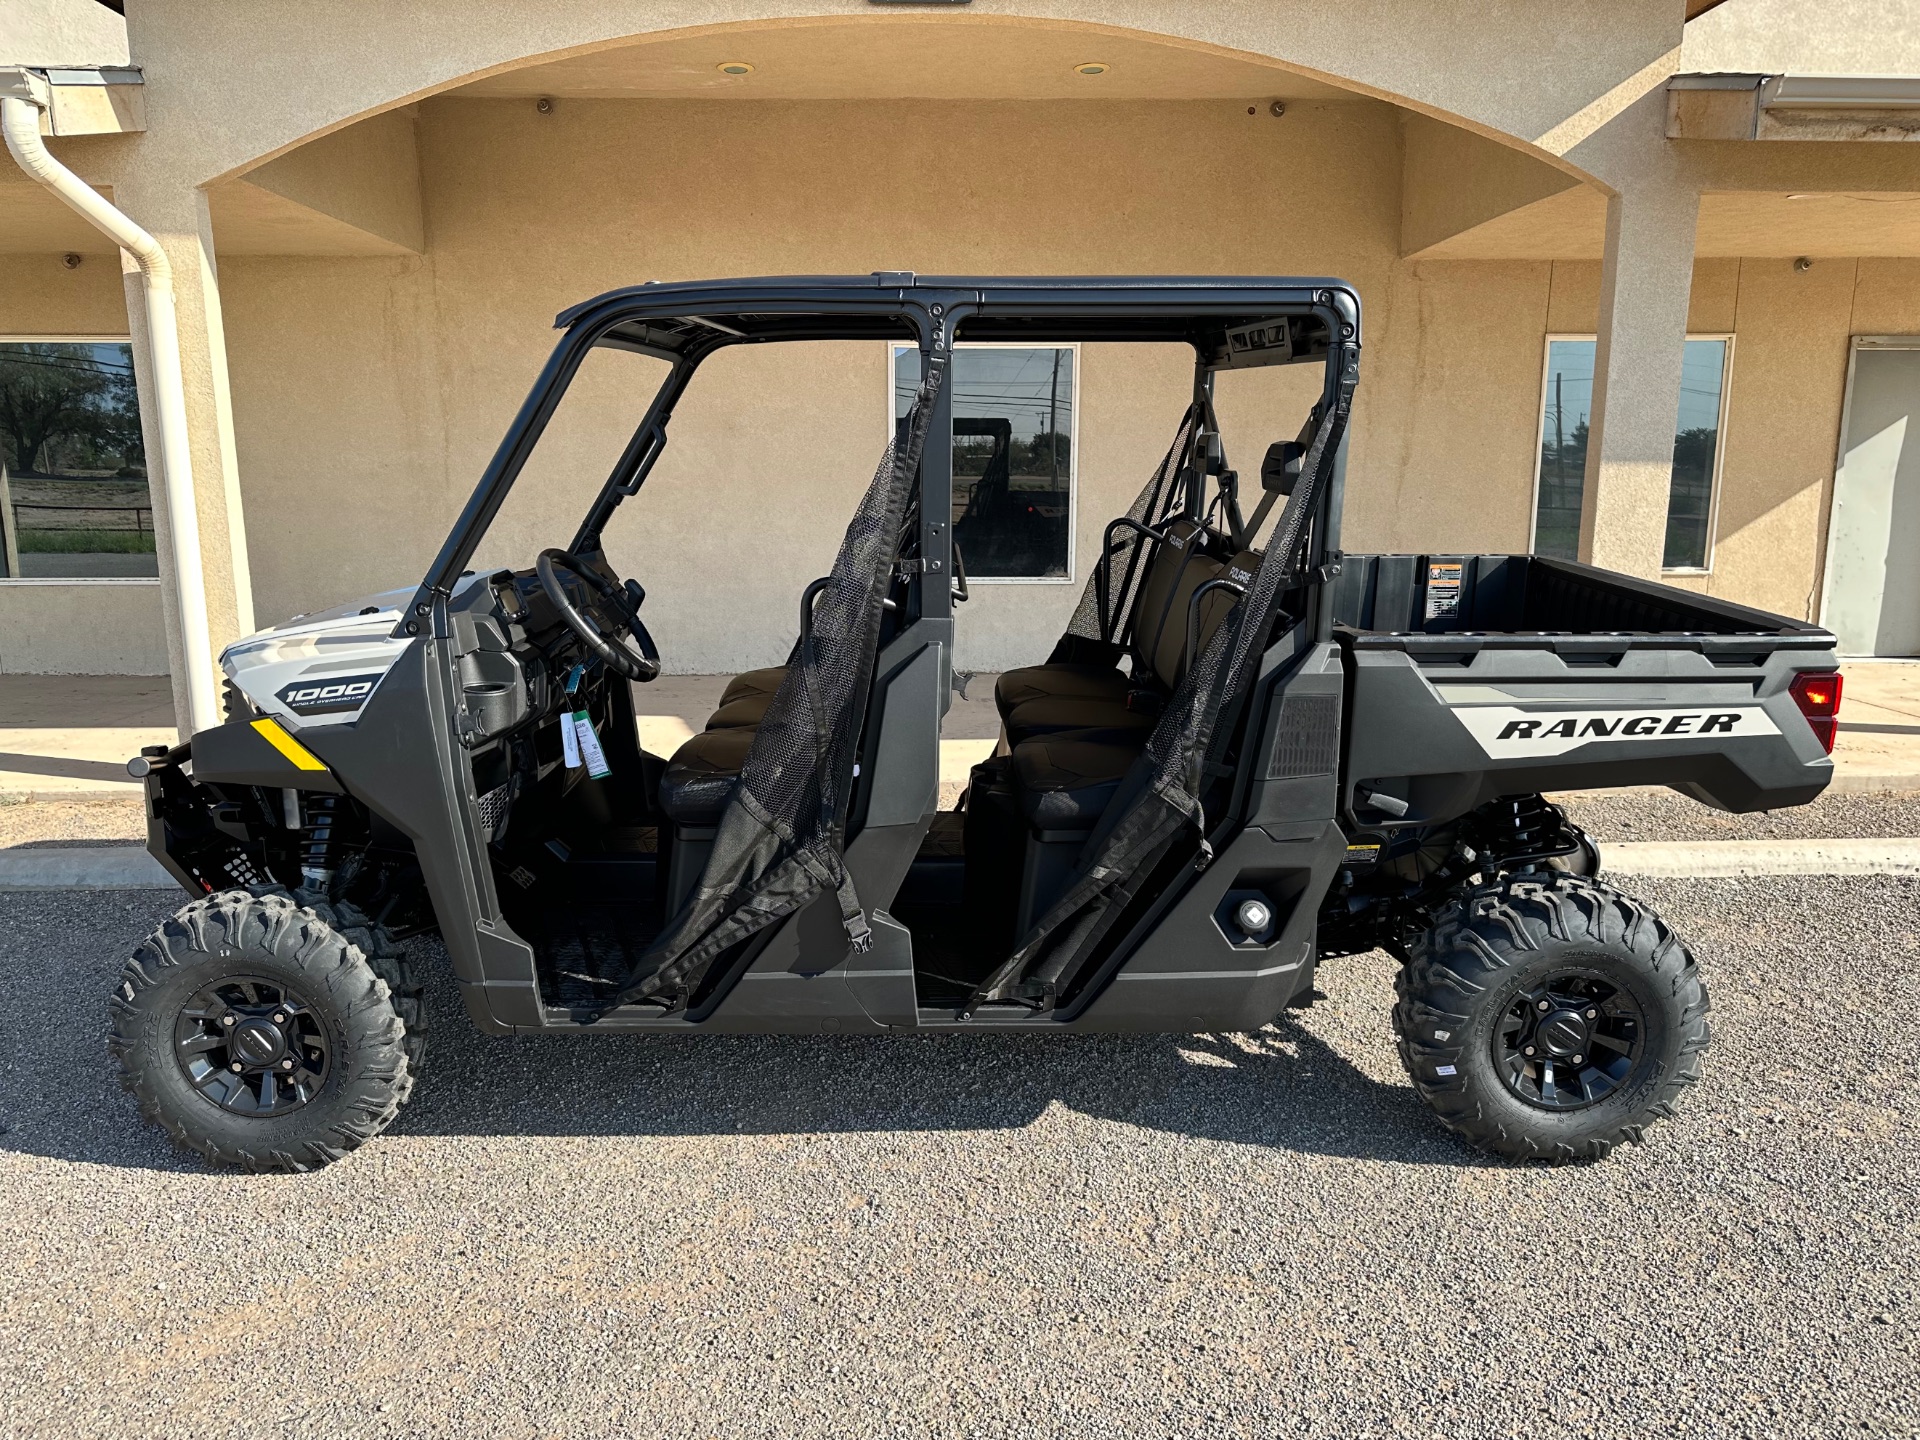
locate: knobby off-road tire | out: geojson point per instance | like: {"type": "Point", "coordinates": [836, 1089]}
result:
{"type": "Point", "coordinates": [257, 957]}
{"type": "Point", "coordinates": [1512, 970]}
{"type": "Point", "coordinates": [386, 958]}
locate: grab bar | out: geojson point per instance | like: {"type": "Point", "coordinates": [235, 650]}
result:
{"type": "Point", "coordinates": [812, 592]}
{"type": "Point", "coordinates": [807, 597]}
{"type": "Point", "coordinates": [1193, 613]}
{"type": "Point", "coordinates": [1102, 583]}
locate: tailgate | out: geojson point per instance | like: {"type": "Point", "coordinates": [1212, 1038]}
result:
{"type": "Point", "coordinates": [1448, 721]}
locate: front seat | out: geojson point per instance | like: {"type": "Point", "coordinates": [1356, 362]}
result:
{"type": "Point", "coordinates": [700, 776]}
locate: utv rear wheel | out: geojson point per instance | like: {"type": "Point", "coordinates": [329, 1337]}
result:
{"type": "Point", "coordinates": [258, 1032]}
{"type": "Point", "coordinates": [1550, 1017]}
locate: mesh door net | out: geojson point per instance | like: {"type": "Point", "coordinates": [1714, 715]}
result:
{"type": "Point", "coordinates": [1097, 633]}
{"type": "Point", "coordinates": [781, 840]}
{"type": "Point", "coordinates": [1163, 793]}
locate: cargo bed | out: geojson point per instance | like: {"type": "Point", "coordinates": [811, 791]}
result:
{"type": "Point", "coordinates": [1472, 676]}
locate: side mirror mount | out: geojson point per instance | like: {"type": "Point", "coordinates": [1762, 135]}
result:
{"type": "Point", "coordinates": [1280, 471]}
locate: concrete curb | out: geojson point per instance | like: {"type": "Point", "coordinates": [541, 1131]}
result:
{"type": "Point", "coordinates": [132, 793]}
{"type": "Point", "coordinates": [1844, 784]}
{"type": "Point", "coordinates": [89, 867]}
{"type": "Point", "coordinates": [1726, 858]}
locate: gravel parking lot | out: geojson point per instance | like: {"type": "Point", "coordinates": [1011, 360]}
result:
{"type": "Point", "coordinates": [1668, 815]}
{"type": "Point", "coordinates": [1196, 1236]}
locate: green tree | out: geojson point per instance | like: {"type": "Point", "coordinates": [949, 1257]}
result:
{"type": "Point", "coordinates": [64, 399]}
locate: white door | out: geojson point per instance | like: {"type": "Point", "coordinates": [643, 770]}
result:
{"type": "Point", "coordinates": [1872, 599]}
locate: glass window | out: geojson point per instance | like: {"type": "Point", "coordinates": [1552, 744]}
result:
{"type": "Point", "coordinates": [1012, 456]}
{"type": "Point", "coordinates": [1696, 443]}
{"type": "Point", "coordinates": [1563, 448]}
{"type": "Point", "coordinates": [1567, 407]}
{"type": "Point", "coordinates": [74, 502]}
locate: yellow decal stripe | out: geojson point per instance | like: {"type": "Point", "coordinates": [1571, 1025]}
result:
{"type": "Point", "coordinates": [302, 758]}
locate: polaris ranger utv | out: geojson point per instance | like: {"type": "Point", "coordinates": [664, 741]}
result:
{"type": "Point", "coordinates": [1247, 754]}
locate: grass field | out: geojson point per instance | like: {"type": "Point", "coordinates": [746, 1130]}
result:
{"type": "Point", "coordinates": [86, 542]}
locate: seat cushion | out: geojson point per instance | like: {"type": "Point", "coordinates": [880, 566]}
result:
{"type": "Point", "coordinates": [1064, 782]}
{"type": "Point", "coordinates": [700, 776]}
{"type": "Point", "coordinates": [747, 711]}
{"type": "Point", "coordinates": [750, 683]}
{"type": "Point", "coordinates": [1053, 715]}
{"type": "Point", "coordinates": [1052, 681]}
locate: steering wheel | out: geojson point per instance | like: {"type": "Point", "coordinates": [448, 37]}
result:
{"type": "Point", "coordinates": [624, 645]}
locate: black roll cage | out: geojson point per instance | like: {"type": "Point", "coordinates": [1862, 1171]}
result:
{"type": "Point", "coordinates": [1230, 323]}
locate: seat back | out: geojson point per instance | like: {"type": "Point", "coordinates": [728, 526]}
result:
{"type": "Point", "coordinates": [1214, 607]}
{"type": "Point", "coordinates": [1158, 635]}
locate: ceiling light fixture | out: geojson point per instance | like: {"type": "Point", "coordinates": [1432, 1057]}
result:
{"type": "Point", "coordinates": [734, 67]}
{"type": "Point", "coordinates": [1092, 67]}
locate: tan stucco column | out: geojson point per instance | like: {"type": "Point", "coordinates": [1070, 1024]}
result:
{"type": "Point", "coordinates": [178, 219]}
{"type": "Point", "coordinates": [1646, 280]}
{"type": "Point", "coordinates": [1645, 284]}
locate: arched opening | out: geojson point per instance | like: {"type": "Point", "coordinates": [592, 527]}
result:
{"type": "Point", "coordinates": [424, 250]}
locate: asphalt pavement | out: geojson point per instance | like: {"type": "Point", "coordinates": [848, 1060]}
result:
{"type": "Point", "coordinates": [1250, 1235]}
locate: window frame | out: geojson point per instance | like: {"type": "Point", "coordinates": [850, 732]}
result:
{"type": "Point", "coordinates": [893, 347]}
{"type": "Point", "coordinates": [1719, 447]}
{"type": "Point", "coordinates": [68, 338]}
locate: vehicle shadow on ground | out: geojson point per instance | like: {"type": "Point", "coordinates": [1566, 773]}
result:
{"type": "Point", "coordinates": [1284, 1087]}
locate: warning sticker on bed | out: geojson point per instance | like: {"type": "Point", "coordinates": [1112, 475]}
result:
{"type": "Point", "coordinates": [1443, 588]}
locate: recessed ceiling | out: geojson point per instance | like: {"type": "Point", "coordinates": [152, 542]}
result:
{"type": "Point", "coordinates": [1827, 224]}
{"type": "Point", "coordinates": [33, 220]}
{"type": "Point", "coordinates": [907, 58]}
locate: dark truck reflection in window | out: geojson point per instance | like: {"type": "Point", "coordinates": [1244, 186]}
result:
{"type": "Point", "coordinates": [1012, 459]}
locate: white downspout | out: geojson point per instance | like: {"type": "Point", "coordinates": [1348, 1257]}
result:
{"type": "Point", "coordinates": [20, 117]}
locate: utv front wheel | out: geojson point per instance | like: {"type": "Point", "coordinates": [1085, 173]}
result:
{"type": "Point", "coordinates": [1550, 1017]}
{"type": "Point", "coordinates": [259, 1032]}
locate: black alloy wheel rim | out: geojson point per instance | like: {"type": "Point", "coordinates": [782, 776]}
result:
{"type": "Point", "coordinates": [252, 1046]}
{"type": "Point", "coordinates": [1570, 1041]}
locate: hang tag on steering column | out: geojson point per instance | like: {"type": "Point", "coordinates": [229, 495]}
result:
{"type": "Point", "coordinates": [589, 746]}
{"type": "Point", "coordinates": [570, 739]}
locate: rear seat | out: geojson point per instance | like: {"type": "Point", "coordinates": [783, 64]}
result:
{"type": "Point", "coordinates": [1073, 683]}
{"type": "Point", "coordinates": [1160, 651]}
{"type": "Point", "coordinates": [1065, 780]}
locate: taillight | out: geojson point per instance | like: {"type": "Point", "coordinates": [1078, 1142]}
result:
{"type": "Point", "coordinates": [1817, 693]}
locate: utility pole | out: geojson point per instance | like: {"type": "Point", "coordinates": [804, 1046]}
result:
{"type": "Point", "coordinates": [1053, 433]}
{"type": "Point", "coordinates": [1559, 436]}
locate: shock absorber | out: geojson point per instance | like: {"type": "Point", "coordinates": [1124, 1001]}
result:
{"type": "Point", "coordinates": [319, 844]}
{"type": "Point", "coordinates": [1524, 829]}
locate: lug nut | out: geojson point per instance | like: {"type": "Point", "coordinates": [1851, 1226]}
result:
{"type": "Point", "coordinates": [278, 1018]}
{"type": "Point", "coordinates": [1529, 1051]}
{"type": "Point", "coordinates": [1593, 1014]}
{"type": "Point", "coordinates": [1579, 1059]}
{"type": "Point", "coordinates": [1542, 1006]}
{"type": "Point", "coordinates": [235, 1067]}
{"type": "Point", "coordinates": [226, 1019]}
{"type": "Point", "coordinates": [288, 1064]}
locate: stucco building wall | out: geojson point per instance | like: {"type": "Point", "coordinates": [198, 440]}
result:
{"type": "Point", "coordinates": [370, 392]}
{"type": "Point", "coordinates": [370, 382]}
{"type": "Point", "coordinates": [46, 626]}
